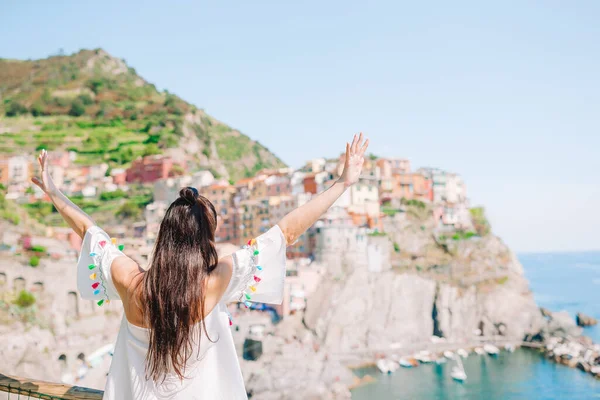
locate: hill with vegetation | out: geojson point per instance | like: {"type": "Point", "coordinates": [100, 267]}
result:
{"type": "Point", "coordinates": [97, 106]}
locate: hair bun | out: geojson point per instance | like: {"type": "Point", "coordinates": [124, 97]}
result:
{"type": "Point", "coordinates": [190, 194]}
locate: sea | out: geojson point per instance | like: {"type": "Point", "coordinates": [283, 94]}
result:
{"type": "Point", "coordinates": [559, 281]}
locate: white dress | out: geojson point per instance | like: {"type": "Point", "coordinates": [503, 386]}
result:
{"type": "Point", "coordinates": [214, 371]}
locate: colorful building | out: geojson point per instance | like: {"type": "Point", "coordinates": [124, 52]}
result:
{"type": "Point", "coordinates": [151, 168]}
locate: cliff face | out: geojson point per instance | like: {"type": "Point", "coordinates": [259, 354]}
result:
{"type": "Point", "coordinates": [439, 284]}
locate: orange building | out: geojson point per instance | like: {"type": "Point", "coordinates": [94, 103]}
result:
{"type": "Point", "coordinates": [422, 188]}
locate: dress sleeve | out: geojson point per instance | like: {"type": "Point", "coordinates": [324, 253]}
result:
{"type": "Point", "coordinates": [94, 279]}
{"type": "Point", "coordinates": [259, 270]}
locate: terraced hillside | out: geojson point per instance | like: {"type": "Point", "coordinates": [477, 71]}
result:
{"type": "Point", "coordinates": [95, 105]}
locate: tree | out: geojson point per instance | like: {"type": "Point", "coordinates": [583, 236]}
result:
{"type": "Point", "coordinates": [77, 108]}
{"type": "Point", "coordinates": [15, 108]}
{"type": "Point", "coordinates": [86, 99]}
{"type": "Point", "coordinates": [151, 149]}
{"type": "Point", "coordinates": [25, 299]}
{"type": "Point", "coordinates": [129, 210]}
{"type": "Point", "coordinates": [37, 109]}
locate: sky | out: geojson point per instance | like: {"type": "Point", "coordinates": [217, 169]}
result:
{"type": "Point", "coordinates": [505, 94]}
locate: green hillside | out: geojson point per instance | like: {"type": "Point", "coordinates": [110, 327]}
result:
{"type": "Point", "coordinates": [94, 104]}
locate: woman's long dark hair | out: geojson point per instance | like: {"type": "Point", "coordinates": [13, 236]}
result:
{"type": "Point", "coordinates": [174, 285]}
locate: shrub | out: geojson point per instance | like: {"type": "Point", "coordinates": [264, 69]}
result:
{"type": "Point", "coordinates": [10, 216]}
{"type": "Point", "coordinates": [129, 210]}
{"type": "Point", "coordinates": [38, 249]}
{"type": "Point", "coordinates": [62, 101]}
{"type": "Point", "coordinates": [116, 194]}
{"type": "Point", "coordinates": [86, 99]}
{"type": "Point", "coordinates": [151, 149]}
{"type": "Point", "coordinates": [25, 299]}
{"type": "Point", "coordinates": [396, 247]}
{"type": "Point", "coordinates": [34, 261]}
{"type": "Point", "coordinates": [413, 202]}
{"type": "Point", "coordinates": [15, 108]}
{"type": "Point", "coordinates": [37, 109]}
{"type": "Point", "coordinates": [77, 108]}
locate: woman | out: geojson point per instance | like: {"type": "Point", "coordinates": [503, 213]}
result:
{"type": "Point", "coordinates": [175, 340]}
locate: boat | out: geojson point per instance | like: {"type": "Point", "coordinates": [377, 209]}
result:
{"type": "Point", "coordinates": [441, 360]}
{"type": "Point", "coordinates": [491, 349]}
{"type": "Point", "coordinates": [386, 366]}
{"type": "Point", "coordinates": [408, 362]}
{"type": "Point", "coordinates": [449, 355]}
{"type": "Point", "coordinates": [424, 357]}
{"type": "Point", "coordinates": [509, 347]}
{"type": "Point", "coordinates": [479, 351]}
{"type": "Point", "coordinates": [463, 353]}
{"type": "Point", "coordinates": [458, 371]}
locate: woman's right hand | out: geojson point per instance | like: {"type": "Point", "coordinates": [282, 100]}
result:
{"type": "Point", "coordinates": [354, 160]}
{"type": "Point", "coordinates": [45, 181]}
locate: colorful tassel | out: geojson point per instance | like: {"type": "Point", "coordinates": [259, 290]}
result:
{"type": "Point", "coordinates": [247, 304]}
{"type": "Point", "coordinates": [102, 243]}
{"type": "Point", "coordinates": [256, 279]}
{"type": "Point", "coordinates": [258, 267]}
{"type": "Point", "coordinates": [101, 302]}
{"type": "Point", "coordinates": [255, 252]}
{"type": "Point", "coordinates": [113, 240]}
{"type": "Point", "coordinates": [107, 301]}
{"type": "Point", "coordinates": [91, 266]}
{"type": "Point", "coordinates": [248, 297]}
{"type": "Point", "coordinates": [230, 322]}
{"type": "Point", "coordinates": [250, 242]}
{"type": "Point", "coordinates": [92, 254]}
{"type": "Point", "coordinates": [96, 292]}
{"type": "Point", "coordinates": [95, 285]}
{"type": "Point", "coordinates": [253, 289]}
{"type": "Point", "coordinates": [121, 247]}
{"type": "Point", "coordinates": [93, 276]}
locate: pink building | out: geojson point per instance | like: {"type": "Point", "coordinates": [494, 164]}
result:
{"type": "Point", "coordinates": [150, 169]}
{"type": "Point", "coordinates": [278, 185]}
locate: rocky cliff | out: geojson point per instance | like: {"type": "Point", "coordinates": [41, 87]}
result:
{"type": "Point", "coordinates": [440, 283]}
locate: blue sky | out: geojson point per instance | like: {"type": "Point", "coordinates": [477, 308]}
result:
{"type": "Point", "coordinates": [505, 94]}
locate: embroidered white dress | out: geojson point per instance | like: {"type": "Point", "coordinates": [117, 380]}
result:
{"type": "Point", "coordinates": [213, 372]}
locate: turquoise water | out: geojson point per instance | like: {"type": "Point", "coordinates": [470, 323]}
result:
{"type": "Point", "coordinates": [560, 281]}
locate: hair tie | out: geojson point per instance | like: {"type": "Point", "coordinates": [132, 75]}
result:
{"type": "Point", "coordinates": [190, 194]}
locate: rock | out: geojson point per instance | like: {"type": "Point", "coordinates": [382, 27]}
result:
{"type": "Point", "coordinates": [582, 365]}
{"type": "Point", "coordinates": [545, 312]}
{"type": "Point", "coordinates": [585, 320]}
{"type": "Point", "coordinates": [561, 324]}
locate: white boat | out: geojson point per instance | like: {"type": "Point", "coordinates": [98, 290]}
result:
{"type": "Point", "coordinates": [405, 362]}
{"type": "Point", "coordinates": [463, 353]}
{"type": "Point", "coordinates": [479, 351]}
{"type": "Point", "coordinates": [509, 347]}
{"type": "Point", "coordinates": [491, 349]}
{"type": "Point", "coordinates": [386, 366]}
{"type": "Point", "coordinates": [449, 355]}
{"type": "Point", "coordinates": [424, 357]}
{"type": "Point", "coordinates": [458, 371]}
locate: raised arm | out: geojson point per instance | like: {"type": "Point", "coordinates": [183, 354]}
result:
{"type": "Point", "coordinates": [298, 221]}
{"type": "Point", "coordinates": [75, 217]}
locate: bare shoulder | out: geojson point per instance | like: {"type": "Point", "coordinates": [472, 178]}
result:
{"type": "Point", "coordinates": [124, 272]}
{"type": "Point", "coordinates": [219, 278]}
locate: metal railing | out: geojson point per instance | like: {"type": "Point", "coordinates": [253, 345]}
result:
{"type": "Point", "coordinates": [26, 388]}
